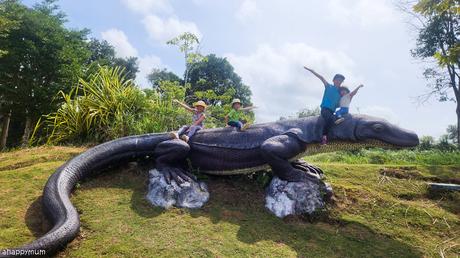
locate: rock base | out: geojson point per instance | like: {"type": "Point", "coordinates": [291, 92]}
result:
{"type": "Point", "coordinates": [186, 195]}
{"type": "Point", "coordinates": [293, 198]}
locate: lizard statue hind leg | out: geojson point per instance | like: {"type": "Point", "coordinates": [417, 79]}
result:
{"type": "Point", "coordinates": [170, 184]}
{"type": "Point", "coordinates": [278, 150]}
{"type": "Point", "coordinates": [303, 165]}
{"type": "Point", "coordinates": [170, 156]}
{"type": "Point", "coordinates": [308, 168]}
{"type": "Point", "coordinates": [298, 187]}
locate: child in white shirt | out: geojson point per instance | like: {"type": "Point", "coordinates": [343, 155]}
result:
{"type": "Point", "coordinates": [344, 103]}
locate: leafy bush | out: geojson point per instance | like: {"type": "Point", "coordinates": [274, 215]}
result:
{"type": "Point", "coordinates": [377, 158]}
{"type": "Point", "coordinates": [216, 113]}
{"type": "Point", "coordinates": [108, 106]}
{"type": "Point", "coordinates": [162, 115]}
{"type": "Point", "coordinates": [97, 109]}
{"type": "Point", "coordinates": [426, 143]}
{"type": "Point", "coordinates": [446, 142]}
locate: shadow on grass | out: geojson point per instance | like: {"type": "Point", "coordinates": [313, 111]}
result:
{"type": "Point", "coordinates": [35, 219]}
{"type": "Point", "coordinates": [241, 202]}
{"type": "Point", "coordinates": [447, 200]}
{"type": "Point", "coordinates": [444, 174]}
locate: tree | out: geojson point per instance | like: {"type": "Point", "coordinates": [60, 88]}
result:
{"type": "Point", "coordinates": [307, 112]}
{"type": "Point", "coordinates": [5, 113]}
{"type": "Point", "coordinates": [129, 65]}
{"type": "Point", "coordinates": [217, 74]}
{"type": "Point", "coordinates": [188, 44]}
{"type": "Point", "coordinates": [208, 78]}
{"type": "Point", "coordinates": [43, 57]}
{"type": "Point", "coordinates": [5, 26]}
{"type": "Point", "coordinates": [426, 142]}
{"type": "Point", "coordinates": [158, 75]}
{"type": "Point", "coordinates": [103, 54]}
{"type": "Point", "coordinates": [452, 133]}
{"type": "Point", "coordinates": [439, 39]}
{"type": "Point", "coordinates": [444, 144]}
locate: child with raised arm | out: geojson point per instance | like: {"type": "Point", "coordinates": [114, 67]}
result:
{"type": "Point", "coordinates": [187, 131]}
{"type": "Point", "coordinates": [344, 102]}
{"type": "Point", "coordinates": [233, 117]}
{"type": "Point", "coordinates": [330, 102]}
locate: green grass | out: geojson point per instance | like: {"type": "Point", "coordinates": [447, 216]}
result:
{"type": "Point", "coordinates": [401, 157]}
{"type": "Point", "coordinates": [374, 214]}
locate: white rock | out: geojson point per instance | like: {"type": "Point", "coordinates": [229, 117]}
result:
{"type": "Point", "coordinates": [186, 195]}
{"type": "Point", "coordinates": [292, 198]}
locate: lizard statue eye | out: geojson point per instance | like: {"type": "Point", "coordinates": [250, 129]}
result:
{"type": "Point", "coordinates": [378, 127]}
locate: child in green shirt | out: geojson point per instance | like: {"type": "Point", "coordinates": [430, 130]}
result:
{"type": "Point", "coordinates": [233, 117]}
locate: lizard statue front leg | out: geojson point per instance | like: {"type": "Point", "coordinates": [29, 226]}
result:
{"type": "Point", "coordinates": [297, 187]}
{"type": "Point", "coordinates": [170, 183]}
{"type": "Point", "coordinates": [278, 150]}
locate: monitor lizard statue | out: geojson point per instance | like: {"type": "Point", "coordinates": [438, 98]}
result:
{"type": "Point", "coordinates": [220, 151]}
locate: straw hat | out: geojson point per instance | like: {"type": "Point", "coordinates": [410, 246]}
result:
{"type": "Point", "coordinates": [236, 101]}
{"type": "Point", "coordinates": [200, 103]}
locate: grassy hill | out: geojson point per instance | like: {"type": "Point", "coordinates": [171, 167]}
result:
{"type": "Point", "coordinates": [380, 210]}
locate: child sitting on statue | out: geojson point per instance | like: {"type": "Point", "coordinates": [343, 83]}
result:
{"type": "Point", "coordinates": [233, 117]}
{"type": "Point", "coordinates": [330, 101]}
{"type": "Point", "coordinates": [187, 131]}
{"type": "Point", "coordinates": [344, 104]}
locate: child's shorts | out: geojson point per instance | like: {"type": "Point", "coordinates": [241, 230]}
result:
{"type": "Point", "coordinates": [341, 112]}
{"type": "Point", "coordinates": [236, 124]}
{"type": "Point", "coordinates": [190, 130]}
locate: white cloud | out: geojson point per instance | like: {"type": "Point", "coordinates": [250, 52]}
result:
{"type": "Point", "coordinates": [148, 6]}
{"type": "Point", "coordinates": [247, 10]}
{"type": "Point", "coordinates": [123, 49]}
{"type": "Point", "coordinates": [159, 19]}
{"type": "Point", "coordinates": [165, 29]}
{"type": "Point", "coordinates": [280, 85]}
{"type": "Point", "coordinates": [146, 64]}
{"type": "Point", "coordinates": [380, 111]}
{"type": "Point", "coordinates": [119, 40]}
{"type": "Point", "coordinates": [367, 13]}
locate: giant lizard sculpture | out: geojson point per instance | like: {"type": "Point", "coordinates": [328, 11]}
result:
{"type": "Point", "coordinates": [221, 151]}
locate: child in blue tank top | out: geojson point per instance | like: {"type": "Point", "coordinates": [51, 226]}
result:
{"type": "Point", "coordinates": [330, 102]}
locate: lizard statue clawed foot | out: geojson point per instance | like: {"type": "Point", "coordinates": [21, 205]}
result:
{"type": "Point", "coordinates": [176, 187]}
{"type": "Point", "coordinates": [285, 198]}
{"type": "Point", "coordinates": [172, 185]}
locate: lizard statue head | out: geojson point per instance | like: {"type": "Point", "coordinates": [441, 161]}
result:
{"type": "Point", "coordinates": [373, 132]}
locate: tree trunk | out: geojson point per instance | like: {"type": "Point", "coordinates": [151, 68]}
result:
{"type": "Point", "coordinates": [458, 124]}
{"type": "Point", "coordinates": [5, 128]}
{"type": "Point", "coordinates": [27, 131]}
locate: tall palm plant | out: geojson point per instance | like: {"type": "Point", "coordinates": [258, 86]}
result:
{"type": "Point", "coordinates": [97, 109]}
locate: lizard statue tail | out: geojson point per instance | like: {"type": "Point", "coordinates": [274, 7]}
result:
{"type": "Point", "coordinates": [57, 207]}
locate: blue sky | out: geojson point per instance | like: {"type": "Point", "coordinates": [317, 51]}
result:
{"type": "Point", "coordinates": [268, 42]}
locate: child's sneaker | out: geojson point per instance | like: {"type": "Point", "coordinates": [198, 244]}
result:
{"type": "Point", "coordinates": [174, 135]}
{"type": "Point", "coordinates": [184, 138]}
{"type": "Point", "coordinates": [340, 120]}
{"type": "Point", "coordinates": [245, 126]}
